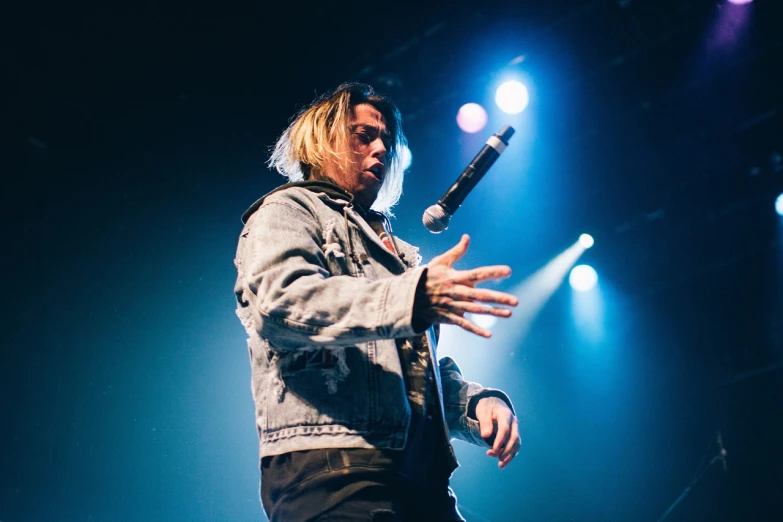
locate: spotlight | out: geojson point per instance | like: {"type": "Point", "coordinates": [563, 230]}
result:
{"type": "Point", "coordinates": [586, 240]}
{"type": "Point", "coordinates": [583, 278]}
{"type": "Point", "coordinates": [471, 117]}
{"type": "Point", "coordinates": [407, 157]}
{"type": "Point", "coordinates": [512, 97]}
{"type": "Point", "coordinates": [779, 205]}
{"type": "Point", "coordinates": [740, 2]}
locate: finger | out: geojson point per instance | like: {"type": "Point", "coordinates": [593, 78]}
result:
{"type": "Point", "coordinates": [483, 273]}
{"type": "Point", "coordinates": [512, 446]}
{"type": "Point", "coordinates": [461, 307]}
{"type": "Point", "coordinates": [454, 254]}
{"type": "Point", "coordinates": [467, 293]}
{"type": "Point", "coordinates": [504, 462]}
{"type": "Point", "coordinates": [452, 318]}
{"type": "Point", "coordinates": [503, 433]}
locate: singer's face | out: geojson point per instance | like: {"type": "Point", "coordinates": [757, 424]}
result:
{"type": "Point", "coordinates": [369, 140]}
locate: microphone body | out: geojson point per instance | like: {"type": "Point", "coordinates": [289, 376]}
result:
{"type": "Point", "coordinates": [436, 218]}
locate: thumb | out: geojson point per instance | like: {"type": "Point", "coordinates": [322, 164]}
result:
{"type": "Point", "coordinates": [456, 252]}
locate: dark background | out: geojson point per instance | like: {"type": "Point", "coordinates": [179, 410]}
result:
{"type": "Point", "coordinates": [138, 135]}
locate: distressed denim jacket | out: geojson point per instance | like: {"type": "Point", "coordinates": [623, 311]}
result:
{"type": "Point", "coordinates": [322, 300]}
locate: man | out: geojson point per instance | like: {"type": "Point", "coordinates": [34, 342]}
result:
{"type": "Point", "coordinates": [353, 410]}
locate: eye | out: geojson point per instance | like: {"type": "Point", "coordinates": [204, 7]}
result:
{"type": "Point", "coordinates": [368, 135]}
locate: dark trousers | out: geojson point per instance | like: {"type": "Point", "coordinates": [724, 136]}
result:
{"type": "Point", "coordinates": [349, 485]}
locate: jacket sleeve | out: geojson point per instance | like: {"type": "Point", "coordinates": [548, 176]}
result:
{"type": "Point", "coordinates": [459, 398]}
{"type": "Point", "coordinates": [287, 294]}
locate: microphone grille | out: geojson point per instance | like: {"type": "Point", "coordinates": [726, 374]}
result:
{"type": "Point", "coordinates": [436, 219]}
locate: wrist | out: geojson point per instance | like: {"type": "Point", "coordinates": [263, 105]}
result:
{"type": "Point", "coordinates": [486, 394]}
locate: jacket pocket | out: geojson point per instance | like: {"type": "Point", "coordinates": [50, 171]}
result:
{"type": "Point", "coordinates": [322, 389]}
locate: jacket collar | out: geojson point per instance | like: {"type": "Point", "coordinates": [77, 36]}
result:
{"type": "Point", "coordinates": [331, 190]}
{"type": "Point", "coordinates": [336, 196]}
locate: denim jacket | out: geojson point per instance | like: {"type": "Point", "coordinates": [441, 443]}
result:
{"type": "Point", "coordinates": [322, 300]}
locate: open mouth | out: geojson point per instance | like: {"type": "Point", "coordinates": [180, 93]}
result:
{"type": "Point", "coordinates": [378, 171]}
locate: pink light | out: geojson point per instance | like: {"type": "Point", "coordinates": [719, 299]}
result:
{"type": "Point", "coordinates": [740, 2]}
{"type": "Point", "coordinates": [471, 117]}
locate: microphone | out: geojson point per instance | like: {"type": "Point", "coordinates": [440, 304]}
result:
{"type": "Point", "coordinates": [722, 451]}
{"type": "Point", "coordinates": [437, 217]}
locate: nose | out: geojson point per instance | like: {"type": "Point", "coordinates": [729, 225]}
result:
{"type": "Point", "coordinates": [378, 149]}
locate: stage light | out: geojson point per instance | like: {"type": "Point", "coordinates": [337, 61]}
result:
{"type": "Point", "coordinates": [586, 240]}
{"type": "Point", "coordinates": [740, 2]}
{"type": "Point", "coordinates": [583, 278]}
{"type": "Point", "coordinates": [779, 205]}
{"type": "Point", "coordinates": [407, 157]}
{"type": "Point", "coordinates": [471, 117]}
{"type": "Point", "coordinates": [512, 97]}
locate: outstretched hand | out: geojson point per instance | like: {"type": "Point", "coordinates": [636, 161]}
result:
{"type": "Point", "coordinates": [448, 294]}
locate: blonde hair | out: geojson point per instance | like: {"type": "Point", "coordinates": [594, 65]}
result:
{"type": "Point", "coordinates": [320, 133]}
